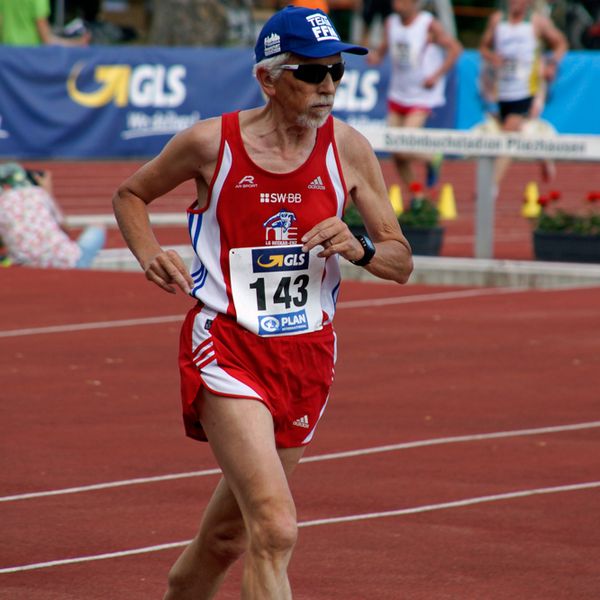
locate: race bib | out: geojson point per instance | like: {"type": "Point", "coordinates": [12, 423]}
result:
{"type": "Point", "coordinates": [277, 289]}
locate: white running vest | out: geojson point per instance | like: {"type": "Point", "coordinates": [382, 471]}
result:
{"type": "Point", "coordinates": [413, 59]}
{"type": "Point", "coordinates": [519, 76]}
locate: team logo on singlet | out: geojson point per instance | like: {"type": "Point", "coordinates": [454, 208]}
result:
{"type": "Point", "coordinates": [246, 182]}
{"type": "Point", "coordinates": [279, 230]}
{"type": "Point", "coordinates": [280, 197]}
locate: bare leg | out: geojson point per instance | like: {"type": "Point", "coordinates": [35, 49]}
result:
{"type": "Point", "coordinates": [220, 541]}
{"type": "Point", "coordinates": [513, 123]}
{"type": "Point", "coordinates": [242, 439]}
{"type": "Point", "coordinates": [403, 161]}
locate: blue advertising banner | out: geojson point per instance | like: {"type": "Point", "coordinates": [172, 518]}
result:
{"type": "Point", "coordinates": [571, 102]}
{"type": "Point", "coordinates": [104, 102]}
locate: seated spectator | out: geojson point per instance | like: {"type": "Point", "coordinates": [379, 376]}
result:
{"type": "Point", "coordinates": [32, 225]}
{"type": "Point", "coordinates": [25, 23]}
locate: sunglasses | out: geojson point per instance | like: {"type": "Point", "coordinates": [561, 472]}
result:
{"type": "Point", "coordinates": [315, 73]}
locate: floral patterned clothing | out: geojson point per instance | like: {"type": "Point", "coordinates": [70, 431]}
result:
{"type": "Point", "coordinates": [30, 229]}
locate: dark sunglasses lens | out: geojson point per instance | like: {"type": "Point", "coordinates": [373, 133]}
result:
{"type": "Point", "coordinates": [316, 73]}
{"type": "Point", "coordinates": [337, 71]}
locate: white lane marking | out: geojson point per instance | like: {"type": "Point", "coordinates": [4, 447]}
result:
{"type": "Point", "coordinates": [454, 504]}
{"type": "Point", "coordinates": [317, 458]}
{"type": "Point", "coordinates": [88, 326]}
{"type": "Point", "coordinates": [367, 302]}
{"type": "Point", "coordinates": [328, 521]}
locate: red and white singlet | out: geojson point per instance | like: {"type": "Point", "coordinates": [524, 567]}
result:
{"type": "Point", "coordinates": [249, 262]}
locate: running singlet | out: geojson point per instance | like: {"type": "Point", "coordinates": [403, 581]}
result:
{"type": "Point", "coordinates": [519, 76]}
{"type": "Point", "coordinates": [249, 262]}
{"type": "Point", "coordinates": [413, 59]}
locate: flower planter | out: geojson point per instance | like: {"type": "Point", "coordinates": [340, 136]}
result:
{"type": "Point", "coordinates": [425, 242]}
{"type": "Point", "coordinates": [566, 247]}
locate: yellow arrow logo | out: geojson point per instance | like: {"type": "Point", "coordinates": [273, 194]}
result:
{"type": "Point", "coordinates": [114, 80]}
{"type": "Point", "coordinates": [276, 261]}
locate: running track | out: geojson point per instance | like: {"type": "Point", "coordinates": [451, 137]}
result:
{"type": "Point", "coordinates": [458, 459]}
{"type": "Point", "coordinates": [87, 187]}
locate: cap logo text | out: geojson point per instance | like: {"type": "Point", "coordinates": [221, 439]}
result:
{"type": "Point", "coordinates": [322, 29]}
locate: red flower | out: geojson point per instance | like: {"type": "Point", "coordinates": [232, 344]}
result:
{"type": "Point", "coordinates": [554, 195]}
{"type": "Point", "coordinates": [416, 187]}
{"type": "Point", "coordinates": [593, 196]}
{"type": "Point", "coordinates": [543, 201]}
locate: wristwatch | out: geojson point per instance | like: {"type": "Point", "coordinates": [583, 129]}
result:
{"type": "Point", "coordinates": [368, 247]}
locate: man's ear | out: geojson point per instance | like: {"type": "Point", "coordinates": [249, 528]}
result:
{"type": "Point", "coordinates": [266, 81]}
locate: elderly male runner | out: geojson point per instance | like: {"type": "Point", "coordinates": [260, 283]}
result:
{"type": "Point", "coordinates": [257, 352]}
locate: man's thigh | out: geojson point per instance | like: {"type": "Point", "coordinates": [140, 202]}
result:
{"type": "Point", "coordinates": [242, 438]}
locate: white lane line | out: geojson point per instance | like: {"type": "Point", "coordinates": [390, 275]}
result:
{"type": "Point", "coordinates": [366, 303]}
{"type": "Point", "coordinates": [88, 326]}
{"type": "Point", "coordinates": [328, 521]}
{"type": "Point", "coordinates": [317, 458]}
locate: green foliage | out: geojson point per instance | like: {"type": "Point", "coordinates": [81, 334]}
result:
{"type": "Point", "coordinates": [421, 214]}
{"type": "Point", "coordinates": [352, 217]}
{"type": "Point", "coordinates": [561, 221]}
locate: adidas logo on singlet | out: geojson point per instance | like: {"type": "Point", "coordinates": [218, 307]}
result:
{"type": "Point", "coordinates": [302, 422]}
{"type": "Point", "coordinates": [316, 184]}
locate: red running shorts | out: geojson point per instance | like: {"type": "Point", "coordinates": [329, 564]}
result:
{"type": "Point", "coordinates": [291, 375]}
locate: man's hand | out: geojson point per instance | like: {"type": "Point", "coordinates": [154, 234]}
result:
{"type": "Point", "coordinates": [167, 268]}
{"type": "Point", "coordinates": [335, 237]}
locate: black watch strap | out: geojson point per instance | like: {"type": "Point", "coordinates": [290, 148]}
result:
{"type": "Point", "coordinates": [368, 247]}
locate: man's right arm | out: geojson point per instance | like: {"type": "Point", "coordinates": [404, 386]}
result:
{"type": "Point", "coordinates": [181, 159]}
{"type": "Point", "coordinates": [486, 46]}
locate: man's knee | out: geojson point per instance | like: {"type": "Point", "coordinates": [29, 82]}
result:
{"type": "Point", "coordinates": [274, 529]}
{"type": "Point", "coordinates": [226, 541]}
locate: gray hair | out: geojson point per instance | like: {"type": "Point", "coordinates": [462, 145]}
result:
{"type": "Point", "coordinates": [272, 65]}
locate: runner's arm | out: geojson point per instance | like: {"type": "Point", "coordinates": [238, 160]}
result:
{"type": "Point", "coordinates": [450, 44]}
{"type": "Point", "coordinates": [486, 46]}
{"type": "Point", "coordinates": [362, 173]}
{"type": "Point", "coordinates": [179, 161]}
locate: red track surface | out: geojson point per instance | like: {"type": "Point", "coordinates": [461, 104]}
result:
{"type": "Point", "coordinates": [87, 187]}
{"type": "Point", "coordinates": [100, 405]}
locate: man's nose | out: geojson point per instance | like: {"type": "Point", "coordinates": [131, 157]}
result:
{"type": "Point", "coordinates": [327, 86]}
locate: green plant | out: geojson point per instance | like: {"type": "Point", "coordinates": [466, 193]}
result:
{"type": "Point", "coordinates": [352, 217]}
{"type": "Point", "coordinates": [421, 212]}
{"type": "Point", "coordinates": [553, 219]}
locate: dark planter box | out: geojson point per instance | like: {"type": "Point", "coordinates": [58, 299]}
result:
{"type": "Point", "coordinates": [566, 247]}
{"type": "Point", "coordinates": [425, 242]}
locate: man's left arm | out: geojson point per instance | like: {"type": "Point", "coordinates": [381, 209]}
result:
{"type": "Point", "coordinates": [451, 46]}
{"type": "Point", "coordinates": [392, 259]}
{"type": "Point", "coordinates": [556, 41]}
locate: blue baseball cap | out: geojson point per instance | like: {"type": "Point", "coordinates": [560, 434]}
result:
{"type": "Point", "coordinates": [304, 31]}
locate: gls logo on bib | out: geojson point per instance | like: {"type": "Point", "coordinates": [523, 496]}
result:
{"type": "Point", "coordinates": [283, 259]}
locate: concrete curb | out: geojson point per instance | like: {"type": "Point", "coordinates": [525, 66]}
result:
{"type": "Point", "coordinates": [432, 271]}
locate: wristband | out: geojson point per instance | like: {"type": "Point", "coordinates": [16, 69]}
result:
{"type": "Point", "coordinates": [368, 247]}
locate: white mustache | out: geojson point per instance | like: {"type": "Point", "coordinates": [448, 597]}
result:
{"type": "Point", "coordinates": [325, 99]}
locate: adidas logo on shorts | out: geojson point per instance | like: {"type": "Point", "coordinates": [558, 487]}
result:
{"type": "Point", "coordinates": [302, 422]}
{"type": "Point", "coordinates": [316, 184]}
